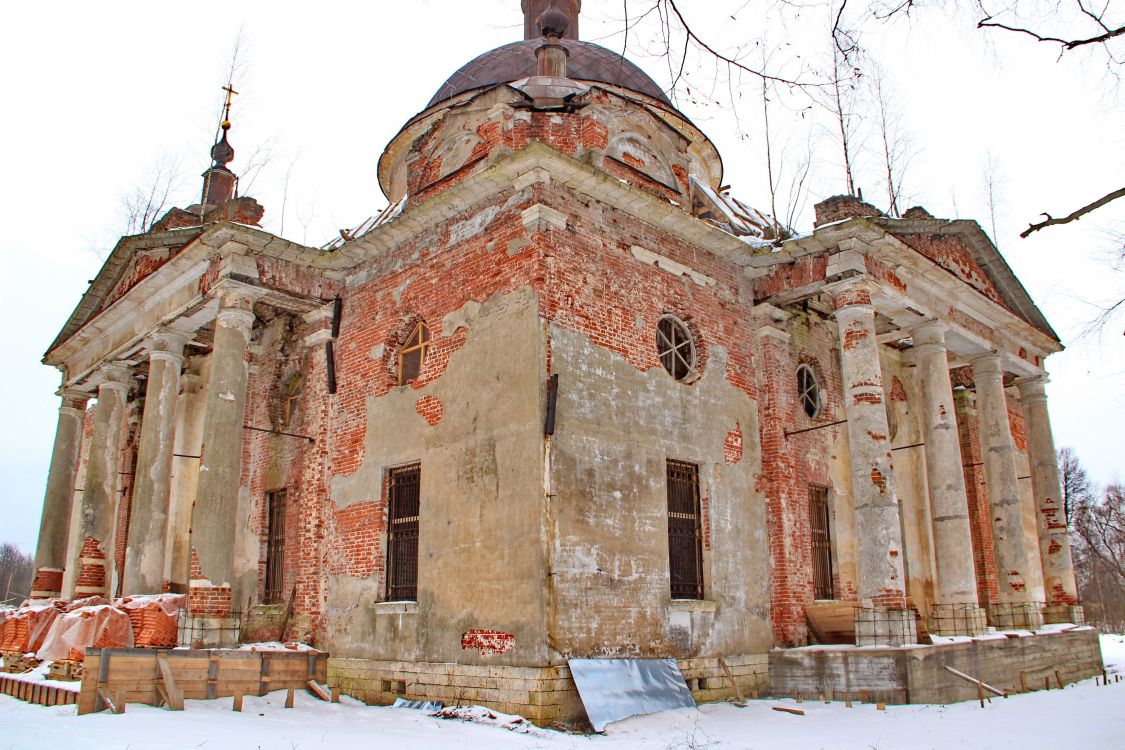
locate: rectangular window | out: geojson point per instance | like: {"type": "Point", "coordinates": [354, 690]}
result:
{"type": "Point", "coordinates": [402, 533]}
{"type": "Point", "coordinates": [685, 537]}
{"type": "Point", "coordinates": [821, 543]}
{"type": "Point", "coordinates": [275, 546]}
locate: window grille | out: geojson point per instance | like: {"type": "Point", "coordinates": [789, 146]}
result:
{"type": "Point", "coordinates": [675, 347]}
{"type": "Point", "coordinates": [808, 390]}
{"type": "Point", "coordinates": [275, 546]}
{"type": "Point", "coordinates": [413, 354]}
{"type": "Point", "coordinates": [685, 537]}
{"type": "Point", "coordinates": [821, 543]}
{"type": "Point", "coordinates": [402, 533]}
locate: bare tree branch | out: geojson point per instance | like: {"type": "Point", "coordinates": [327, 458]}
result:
{"type": "Point", "coordinates": [1067, 44]}
{"type": "Point", "coordinates": [671, 4]}
{"type": "Point", "coordinates": [1051, 221]}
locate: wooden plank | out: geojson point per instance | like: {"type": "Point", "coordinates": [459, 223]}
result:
{"type": "Point", "coordinates": [784, 709]}
{"type": "Point", "coordinates": [212, 673]}
{"type": "Point", "coordinates": [316, 689]}
{"type": "Point", "coordinates": [264, 674]}
{"type": "Point", "coordinates": [979, 683]}
{"type": "Point", "coordinates": [108, 699]}
{"type": "Point", "coordinates": [174, 695]}
{"type": "Point", "coordinates": [733, 684]}
{"type": "Point", "coordinates": [833, 623]}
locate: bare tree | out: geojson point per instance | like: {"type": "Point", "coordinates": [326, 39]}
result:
{"type": "Point", "coordinates": [991, 186]}
{"type": "Point", "coordinates": [896, 150]}
{"type": "Point", "coordinates": [1076, 489]}
{"type": "Point", "coordinates": [16, 570]}
{"type": "Point", "coordinates": [1099, 533]}
{"type": "Point", "coordinates": [145, 204]}
{"type": "Point", "coordinates": [842, 104]}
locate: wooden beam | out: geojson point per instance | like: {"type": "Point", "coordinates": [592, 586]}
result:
{"type": "Point", "coordinates": [175, 695]}
{"type": "Point", "coordinates": [733, 684]}
{"type": "Point", "coordinates": [974, 680]}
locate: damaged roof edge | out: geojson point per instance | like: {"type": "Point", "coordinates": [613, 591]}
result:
{"type": "Point", "coordinates": [109, 274]}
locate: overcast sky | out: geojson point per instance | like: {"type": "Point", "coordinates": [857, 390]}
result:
{"type": "Point", "coordinates": [95, 94]}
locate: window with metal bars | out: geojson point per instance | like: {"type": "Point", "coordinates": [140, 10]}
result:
{"type": "Point", "coordinates": [675, 347]}
{"type": "Point", "coordinates": [821, 543]}
{"type": "Point", "coordinates": [685, 533]}
{"type": "Point", "coordinates": [275, 546]}
{"type": "Point", "coordinates": [402, 533]}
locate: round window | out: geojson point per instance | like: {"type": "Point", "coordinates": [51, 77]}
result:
{"type": "Point", "coordinates": [808, 390]}
{"type": "Point", "coordinates": [675, 347]}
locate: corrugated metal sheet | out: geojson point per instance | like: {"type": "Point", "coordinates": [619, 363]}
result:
{"type": "Point", "coordinates": [615, 689]}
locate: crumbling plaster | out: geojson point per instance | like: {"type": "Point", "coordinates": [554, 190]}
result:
{"type": "Point", "coordinates": [481, 551]}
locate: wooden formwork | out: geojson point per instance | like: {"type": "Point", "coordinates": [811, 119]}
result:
{"type": "Point", "coordinates": [115, 676]}
{"type": "Point", "coordinates": [37, 692]}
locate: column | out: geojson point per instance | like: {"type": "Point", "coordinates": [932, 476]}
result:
{"type": "Point", "coordinates": [54, 525]}
{"type": "Point", "coordinates": [883, 619]}
{"type": "Point", "coordinates": [99, 498]}
{"type": "Point", "coordinates": [185, 478]}
{"type": "Point", "coordinates": [956, 610]}
{"type": "Point", "coordinates": [1054, 543]}
{"type": "Point", "coordinates": [1018, 606]}
{"type": "Point", "coordinates": [148, 522]}
{"type": "Point", "coordinates": [213, 578]}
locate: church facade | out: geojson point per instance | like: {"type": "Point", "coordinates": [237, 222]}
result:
{"type": "Point", "coordinates": [564, 398]}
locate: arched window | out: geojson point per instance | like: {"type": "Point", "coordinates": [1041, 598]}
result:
{"type": "Point", "coordinates": [413, 354]}
{"type": "Point", "coordinates": [808, 390]}
{"type": "Point", "coordinates": [675, 347]}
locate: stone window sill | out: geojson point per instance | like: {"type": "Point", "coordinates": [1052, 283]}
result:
{"type": "Point", "coordinates": [395, 608]}
{"type": "Point", "coordinates": [692, 605]}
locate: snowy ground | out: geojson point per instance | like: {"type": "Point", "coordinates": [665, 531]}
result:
{"type": "Point", "coordinates": [1084, 716]}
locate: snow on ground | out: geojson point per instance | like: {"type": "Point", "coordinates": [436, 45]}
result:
{"type": "Point", "coordinates": [1082, 715]}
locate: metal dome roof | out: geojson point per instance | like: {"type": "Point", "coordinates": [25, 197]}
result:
{"type": "Point", "coordinates": [511, 62]}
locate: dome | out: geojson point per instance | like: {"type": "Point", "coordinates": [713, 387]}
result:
{"type": "Point", "coordinates": [511, 62]}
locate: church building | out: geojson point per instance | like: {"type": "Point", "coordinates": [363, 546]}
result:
{"type": "Point", "coordinates": [567, 398]}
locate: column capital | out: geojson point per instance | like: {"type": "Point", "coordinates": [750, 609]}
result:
{"type": "Point", "coordinates": [167, 344]}
{"type": "Point", "coordinates": [987, 366]}
{"type": "Point", "coordinates": [1033, 389]}
{"type": "Point", "coordinates": [115, 377]}
{"type": "Point", "coordinates": [73, 399]}
{"type": "Point", "coordinates": [771, 321]}
{"type": "Point", "coordinates": [929, 332]}
{"type": "Point", "coordinates": [853, 293]}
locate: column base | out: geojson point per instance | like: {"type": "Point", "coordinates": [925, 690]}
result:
{"type": "Point", "coordinates": [957, 619]}
{"type": "Point", "coordinates": [884, 626]}
{"type": "Point", "coordinates": [1059, 613]}
{"type": "Point", "coordinates": [1016, 615]}
{"type": "Point", "coordinates": [209, 632]}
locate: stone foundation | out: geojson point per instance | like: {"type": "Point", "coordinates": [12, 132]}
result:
{"type": "Point", "coordinates": [884, 626]}
{"type": "Point", "coordinates": [957, 619]}
{"type": "Point", "coordinates": [197, 631]}
{"type": "Point", "coordinates": [917, 674]}
{"type": "Point", "coordinates": [1019, 616]}
{"type": "Point", "coordinates": [542, 694]}
{"type": "Point", "coordinates": [1059, 613]}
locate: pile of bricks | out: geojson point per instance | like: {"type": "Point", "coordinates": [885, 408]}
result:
{"type": "Point", "coordinates": [154, 619]}
{"type": "Point", "coordinates": [23, 631]}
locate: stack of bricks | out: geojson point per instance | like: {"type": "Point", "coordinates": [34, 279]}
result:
{"type": "Point", "coordinates": [154, 619]}
{"type": "Point", "coordinates": [20, 626]}
{"type": "Point", "coordinates": [107, 634]}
